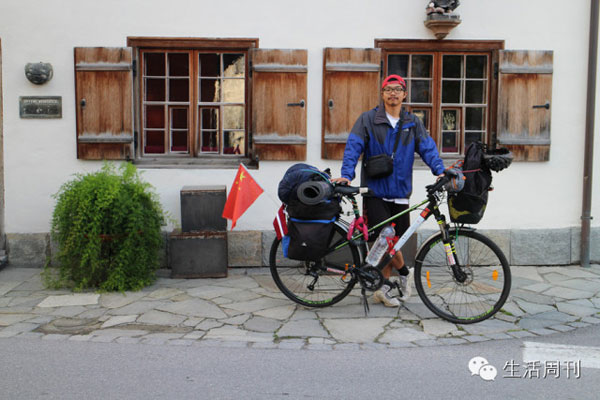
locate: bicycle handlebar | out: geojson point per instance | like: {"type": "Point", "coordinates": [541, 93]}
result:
{"type": "Point", "coordinates": [439, 185]}
{"type": "Point", "coordinates": [347, 190]}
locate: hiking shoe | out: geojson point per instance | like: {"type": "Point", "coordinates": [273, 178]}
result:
{"type": "Point", "coordinates": [384, 295]}
{"type": "Point", "coordinates": [406, 284]}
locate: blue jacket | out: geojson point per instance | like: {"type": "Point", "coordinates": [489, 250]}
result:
{"type": "Point", "coordinates": [413, 138]}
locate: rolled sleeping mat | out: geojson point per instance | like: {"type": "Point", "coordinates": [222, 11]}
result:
{"type": "Point", "coordinates": [314, 192]}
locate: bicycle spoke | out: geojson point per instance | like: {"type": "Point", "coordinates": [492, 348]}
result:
{"type": "Point", "coordinates": [475, 295]}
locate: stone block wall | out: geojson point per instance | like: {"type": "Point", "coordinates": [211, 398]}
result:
{"type": "Point", "coordinates": [252, 248]}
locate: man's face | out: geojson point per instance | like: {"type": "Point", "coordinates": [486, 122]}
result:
{"type": "Point", "coordinates": [393, 95]}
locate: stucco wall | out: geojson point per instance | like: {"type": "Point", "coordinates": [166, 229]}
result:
{"type": "Point", "coordinates": [41, 154]}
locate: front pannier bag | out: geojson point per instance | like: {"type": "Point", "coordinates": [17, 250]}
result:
{"type": "Point", "coordinates": [468, 205]}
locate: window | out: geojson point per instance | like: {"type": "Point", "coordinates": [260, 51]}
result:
{"type": "Point", "coordinates": [181, 87]}
{"type": "Point", "coordinates": [193, 97]}
{"type": "Point", "coordinates": [449, 87]}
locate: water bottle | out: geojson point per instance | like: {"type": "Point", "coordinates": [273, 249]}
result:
{"type": "Point", "coordinates": [380, 246]}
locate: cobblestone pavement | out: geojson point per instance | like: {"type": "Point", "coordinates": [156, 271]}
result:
{"type": "Point", "coordinates": [247, 310]}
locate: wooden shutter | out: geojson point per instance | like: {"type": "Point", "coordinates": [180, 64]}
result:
{"type": "Point", "coordinates": [104, 103]}
{"type": "Point", "coordinates": [524, 103]}
{"type": "Point", "coordinates": [279, 104]}
{"type": "Point", "coordinates": [350, 87]}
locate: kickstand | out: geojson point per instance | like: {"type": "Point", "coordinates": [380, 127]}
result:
{"type": "Point", "coordinates": [364, 301]}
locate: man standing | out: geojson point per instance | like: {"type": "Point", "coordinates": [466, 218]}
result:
{"type": "Point", "coordinates": [387, 129]}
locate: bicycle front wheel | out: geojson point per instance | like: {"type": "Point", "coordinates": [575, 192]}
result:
{"type": "Point", "coordinates": [310, 283]}
{"type": "Point", "coordinates": [471, 291]}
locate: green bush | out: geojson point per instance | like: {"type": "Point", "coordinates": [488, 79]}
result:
{"type": "Point", "coordinates": [108, 228]}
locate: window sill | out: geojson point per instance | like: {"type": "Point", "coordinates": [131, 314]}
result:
{"type": "Point", "coordinates": [448, 161]}
{"type": "Point", "coordinates": [195, 163]}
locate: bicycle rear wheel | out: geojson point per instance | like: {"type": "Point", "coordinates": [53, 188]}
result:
{"type": "Point", "coordinates": [478, 286]}
{"type": "Point", "coordinates": [310, 283]}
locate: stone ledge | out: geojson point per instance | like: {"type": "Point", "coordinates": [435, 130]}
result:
{"type": "Point", "coordinates": [252, 248]}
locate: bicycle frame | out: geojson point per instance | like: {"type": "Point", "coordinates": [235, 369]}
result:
{"type": "Point", "coordinates": [423, 216]}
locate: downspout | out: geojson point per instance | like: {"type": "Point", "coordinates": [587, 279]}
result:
{"type": "Point", "coordinates": [588, 150]}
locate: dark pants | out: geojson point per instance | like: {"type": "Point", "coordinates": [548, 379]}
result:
{"type": "Point", "coordinates": [376, 210]}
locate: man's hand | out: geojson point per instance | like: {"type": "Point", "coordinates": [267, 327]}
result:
{"type": "Point", "coordinates": [341, 181]}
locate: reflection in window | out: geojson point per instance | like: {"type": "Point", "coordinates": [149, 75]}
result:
{"type": "Point", "coordinates": [450, 130]}
{"type": "Point", "coordinates": [423, 115]}
{"type": "Point", "coordinates": [223, 90]}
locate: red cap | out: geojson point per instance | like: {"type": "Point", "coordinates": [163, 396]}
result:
{"type": "Point", "coordinates": [394, 79]}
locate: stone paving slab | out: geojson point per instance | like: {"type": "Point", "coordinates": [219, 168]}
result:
{"type": "Point", "coordinates": [76, 299]}
{"type": "Point", "coordinates": [247, 310]}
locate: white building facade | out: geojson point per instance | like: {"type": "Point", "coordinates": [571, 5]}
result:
{"type": "Point", "coordinates": [187, 90]}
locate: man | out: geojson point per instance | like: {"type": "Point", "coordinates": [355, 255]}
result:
{"type": "Point", "coordinates": [375, 133]}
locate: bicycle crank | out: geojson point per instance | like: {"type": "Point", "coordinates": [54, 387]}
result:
{"type": "Point", "coordinates": [370, 278]}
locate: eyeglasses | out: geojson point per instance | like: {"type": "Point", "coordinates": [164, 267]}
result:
{"type": "Point", "coordinates": [396, 89]}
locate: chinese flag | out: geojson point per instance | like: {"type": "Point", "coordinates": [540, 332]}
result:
{"type": "Point", "coordinates": [243, 193]}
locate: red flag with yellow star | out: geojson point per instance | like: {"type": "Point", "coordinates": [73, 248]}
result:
{"type": "Point", "coordinates": [241, 196]}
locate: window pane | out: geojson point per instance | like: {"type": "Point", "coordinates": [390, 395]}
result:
{"type": "Point", "coordinates": [179, 141]}
{"type": "Point", "coordinates": [179, 118]}
{"type": "Point", "coordinates": [474, 92]}
{"type": "Point", "coordinates": [155, 64]}
{"type": "Point", "coordinates": [233, 117]}
{"type": "Point", "coordinates": [178, 64]}
{"type": "Point", "coordinates": [471, 137]}
{"type": "Point", "coordinates": [233, 65]}
{"type": "Point", "coordinates": [449, 143]}
{"type": "Point", "coordinates": [233, 90]}
{"type": "Point", "coordinates": [209, 118]}
{"type": "Point", "coordinates": [155, 89]}
{"type": "Point", "coordinates": [398, 64]}
{"type": "Point", "coordinates": [233, 142]}
{"type": "Point", "coordinates": [209, 141]}
{"type": "Point", "coordinates": [155, 142]}
{"type": "Point", "coordinates": [474, 119]}
{"type": "Point", "coordinates": [155, 117]}
{"type": "Point", "coordinates": [421, 66]}
{"type": "Point", "coordinates": [451, 92]}
{"type": "Point", "coordinates": [476, 66]}
{"type": "Point", "coordinates": [450, 120]}
{"type": "Point", "coordinates": [452, 66]}
{"type": "Point", "coordinates": [209, 90]}
{"type": "Point", "coordinates": [420, 91]}
{"type": "Point", "coordinates": [179, 90]}
{"type": "Point", "coordinates": [210, 64]}
{"type": "Point", "coordinates": [423, 115]}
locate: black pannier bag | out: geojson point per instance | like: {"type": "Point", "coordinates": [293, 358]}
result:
{"type": "Point", "coordinates": [468, 205]}
{"type": "Point", "coordinates": [310, 229]}
{"type": "Point", "coordinates": [310, 226]}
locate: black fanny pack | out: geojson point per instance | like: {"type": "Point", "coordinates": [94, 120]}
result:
{"type": "Point", "coordinates": [382, 165]}
{"type": "Point", "coordinates": [379, 166]}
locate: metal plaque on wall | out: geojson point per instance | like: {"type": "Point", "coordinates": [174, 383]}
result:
{"type": "Point", "coordinates": [40, 106]}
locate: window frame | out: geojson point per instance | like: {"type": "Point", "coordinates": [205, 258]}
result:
{"type": "Point", "coordinates": [439, 48]}
{"type": "Point", "coordinates": [192, 46]}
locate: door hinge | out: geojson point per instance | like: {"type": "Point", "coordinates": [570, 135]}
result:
{"type": "Point", "coordinates": [134, 68]}
{"type": "Point", "coordinates": [250, 68]}
{"type": "Point", "coordinates": [495, 70]}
